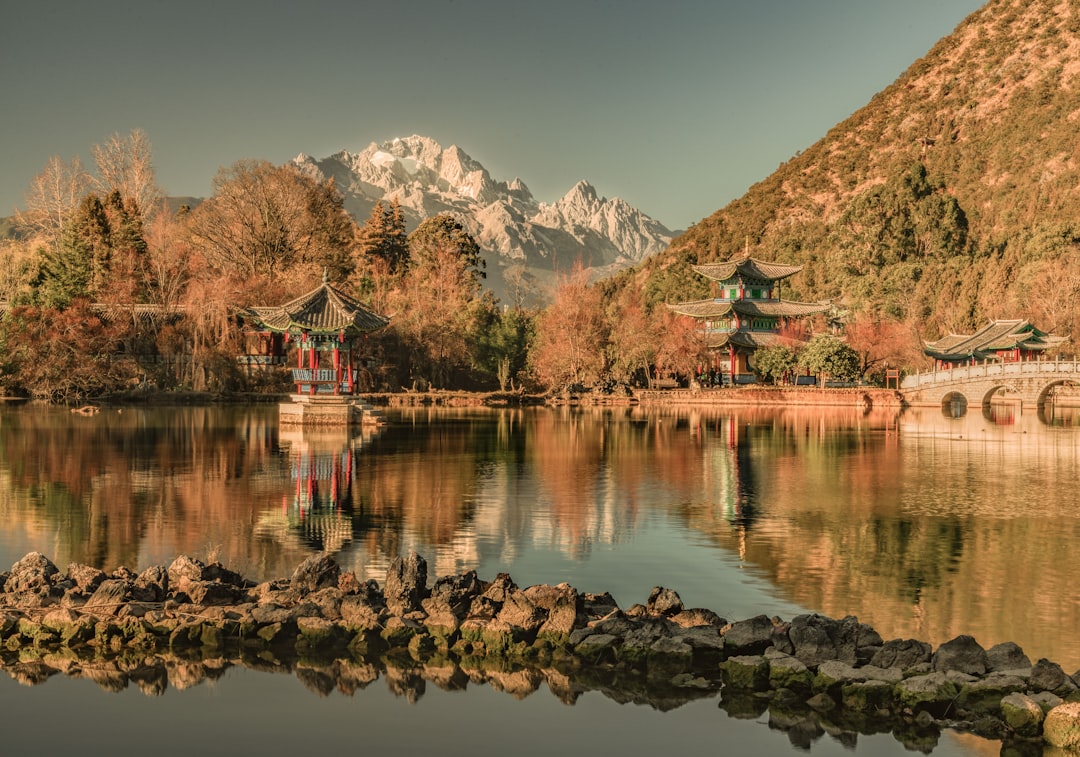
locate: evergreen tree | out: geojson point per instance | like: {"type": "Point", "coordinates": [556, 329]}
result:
{"type": "Point", "coordinates": [383, 237]}
{"type": "Point", "coordinates": [79, 264]}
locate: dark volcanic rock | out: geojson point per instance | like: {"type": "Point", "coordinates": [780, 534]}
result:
{"type": "Point", "coordinates": [1006, 656]}
{"type": "Point", "coordinates": [963, 654]}
{"type": "Point", "coordinates": [87, 579]}
{"type": "Point", "coordinates": [663, 602]}
{"type": "Point", "coordinates": [749, 637]}
{"type": "Point", "coordinates": [1049, 676]}
{"type": "Point", "coordinates": [316, 572]}
{"type": "Point", "coordinates": [902, 653]}
{"type": "Point", "coordinates": [406, 583]}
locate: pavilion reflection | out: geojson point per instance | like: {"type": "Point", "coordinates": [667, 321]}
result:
{"type": "Point", "coordinates": [318, 508]}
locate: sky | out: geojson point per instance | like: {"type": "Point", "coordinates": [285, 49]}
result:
{"type": "Point", "coordinates": [677, 107]}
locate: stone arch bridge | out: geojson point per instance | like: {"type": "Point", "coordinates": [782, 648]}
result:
{"type": "Point", "coordinates": [1029, 382]}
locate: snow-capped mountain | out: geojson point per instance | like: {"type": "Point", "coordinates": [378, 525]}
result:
{"type": "Point", "coordinates": [524, 240]}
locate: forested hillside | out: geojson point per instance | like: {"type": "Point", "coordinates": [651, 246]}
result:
{"type": "Point", "coordinates": [953, 196]}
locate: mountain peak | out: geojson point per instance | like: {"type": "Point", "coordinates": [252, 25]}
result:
{"type": "Point", "coordinates": [511, 227]}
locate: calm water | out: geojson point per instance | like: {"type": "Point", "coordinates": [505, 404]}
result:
{"type": "Point", "coordinates": [922, 526]}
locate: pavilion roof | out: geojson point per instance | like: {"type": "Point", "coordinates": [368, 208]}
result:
{"type": "Point", "coordinates": [994, 336]}
{"type": "Point", "coordinates": [752, 308]}
{"type": "Point", "coordinates": [750, 340]}
{"type": "Point", "coordinates": [324, 310]}
{"type": "Point", "coordinates": [747, 268]}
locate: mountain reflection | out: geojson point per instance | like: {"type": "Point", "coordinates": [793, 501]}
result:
{"type": "Point", "coordinates": [921, 525]}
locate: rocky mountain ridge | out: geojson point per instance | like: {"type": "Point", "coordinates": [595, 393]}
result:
{"type": "Point", "coordinates": [525, 241]}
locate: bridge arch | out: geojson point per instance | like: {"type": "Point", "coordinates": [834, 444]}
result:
{"type": "Point", "coordinates": [1048, 391]}
{"type": "Point", "coordinates": [954, 404]}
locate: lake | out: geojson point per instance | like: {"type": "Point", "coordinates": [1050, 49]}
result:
{"type": "Point", "coordinates": [921, 525]}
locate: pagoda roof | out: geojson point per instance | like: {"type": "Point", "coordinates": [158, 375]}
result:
{"type": "Point", "coordinates": [750, 340]}
{"type": "Point", "coordinates": [748, 268]}
{"type": "Point", "coordinates": [993, 337]}
{"type": "Point", "coordinates": [774, 308]}
{"type": "Point", "coordinates": [324, 310]}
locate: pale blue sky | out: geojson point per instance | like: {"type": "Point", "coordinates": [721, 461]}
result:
{"type": "Point", "coordinates": [675, 106]}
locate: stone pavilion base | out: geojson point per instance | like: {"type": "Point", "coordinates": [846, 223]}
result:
{"type": "Point", "coordinates": [328, 410]}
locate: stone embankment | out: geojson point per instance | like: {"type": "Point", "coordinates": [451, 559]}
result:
{"type": "Point", "coordinates": [832, 674]}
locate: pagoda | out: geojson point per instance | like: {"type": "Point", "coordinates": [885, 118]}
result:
{"type": "Point", "coordinates": [328, 329]}
{"type": "Point", "coordinates": [1004, 341]}
{"type": "Point", "coordinates": [745, 312]}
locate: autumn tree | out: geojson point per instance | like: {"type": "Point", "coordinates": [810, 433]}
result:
{"type": "Point", "coordinates": [571, 334]}
{"type": "Point", "coordinates": [438, 310]}
{"type": "Point", "coordinates": [634, 337]}
{"type": "Point", "coordinates": [681, 346]}
{"type": "Point", "coordinates": [263, 220]}
{"type": "Point", "coordinates": [125, 165]}
{"type": "Point", "coordinates": [882, 341]}
{"type": "Point", "coordinates": [63, 355]}
{"type": "Point", "coordinates": [52, 198]}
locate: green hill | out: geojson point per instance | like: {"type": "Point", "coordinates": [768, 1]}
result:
{"type": "Point", "coordinates": [950, 198]}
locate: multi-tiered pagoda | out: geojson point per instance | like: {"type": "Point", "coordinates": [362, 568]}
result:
{"type": "Point", "coordinates": [745, 312]}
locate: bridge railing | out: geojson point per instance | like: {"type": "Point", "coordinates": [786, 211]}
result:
{"type": "Point", "coordinates": [963, 373]}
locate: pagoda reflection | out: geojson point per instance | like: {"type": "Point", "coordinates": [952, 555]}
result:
{"type": "Point", "coordinates": [318, 506]}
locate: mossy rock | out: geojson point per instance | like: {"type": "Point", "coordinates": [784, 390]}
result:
{"type": "Point", "coordinates": [746, 672]}
{"type": "Point", "coordinates": [867, 696]}
{"type": "Point", "coordinates": [1062, 726]}
{"type": "Point", "coordinates": [786, 672]}
{"type": "Point", "coordinates": [984, 697]}
{"type": "Point", "coordinates": [933, 692]}
{"type": "Point", "coordinates": [1022, 714]}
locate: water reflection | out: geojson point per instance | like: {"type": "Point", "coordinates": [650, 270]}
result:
{"type": "Point", "coordinates": [924, 526]}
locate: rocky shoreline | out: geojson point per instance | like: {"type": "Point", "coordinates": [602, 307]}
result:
{"type": "Point", "coordinates": [812, 674]}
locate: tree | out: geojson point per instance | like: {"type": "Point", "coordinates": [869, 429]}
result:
{"type": "Point", "coordinates": [881, 341]}
{"type": "Point", "coordinates": [125, 165]}
{"type": "Point", "coordinates": [504, 345]}
{"type": "Point", "coordinates": [383, 237]}
{"type": "Point", "coordinates": [634, 337]}
{"type": "Point", "coordinates": [63, 355]}
{"type": "Point", "coordinates": [264, 219]}
{"type": "Point", "coordinates": [681, 347]}
{"type": "Point", "coordinates": [830, 356]}
{"type": "Point", "coordinates": [52, 198]}
{"type": "Point", "coordinates": [77, 265]}
{"type": "Point", "coordinates": [438, 308]}
{"type": "Point", "coordinates": [775, 362]}
{"type": "Point", "coordinates": [571, 334]}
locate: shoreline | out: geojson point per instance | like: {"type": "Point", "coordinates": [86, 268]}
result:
{"type": "Point", "coordinates": [839, 672]}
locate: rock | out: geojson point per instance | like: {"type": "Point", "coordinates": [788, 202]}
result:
{"type": "Point", "coordinates": [457, 592]}
{"type": "Point", "coordinates": [698, 617]}
{"type": "Point", "coordinates": [406, 583]}
{"type": "Point", "coordinates": [521, 615]}
{"type": "Point", "coordinates": [317, 572]}
{"type": "Point", "coordinates": [933, 692]}
{"type": "Point", "coordinates": [984, 695]}
{"type": "Point", "coordinates": [1022, 714]}
{"type": "Point", "coordinates": [1049, 676]}
{"type": "Point", "coordinates": [359, 613]}
{"type": "Point", "coordinates": [815, 639]}
{"type": "Point", "coordinates": [787, 672]}
{"type": "Point", "coordinates": [1062, 726]}
{"type": "Point", "coordinates": [497, 590]}
{"type": "Point", "coordinates": [31, 575]}
{"type": "Point", "coordinates": [594, 646]}
{"type": "Point", "coordinates": [561, 603]}
{"type": "Point", "coordinates": [215, 571]}
{"type": "Point", "coordinates": [185, 567]}
{"type": "Point", "coordinates": [746, 672]}
{"type": "Point", "coordinates": [663, 602]}
{"type": "Point", "coordinates": [152, 585]}
{"type": "Point", "coordinates": [963, 654]}
{"type": "Point", "coordinates": [1006, 656]}
{"type": "Point", "coordinates": [598, 605]}
{"type": "Point", "coordinates": [902, 653]}
{"type": "Point", "coordinates": [749, 637]}
{"type": "Point", "coordinates": [87, 579]}
{"type": "Point", "coordinates": [109, 597]}
{"type": "Point", "coordinates": [211, 593]}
